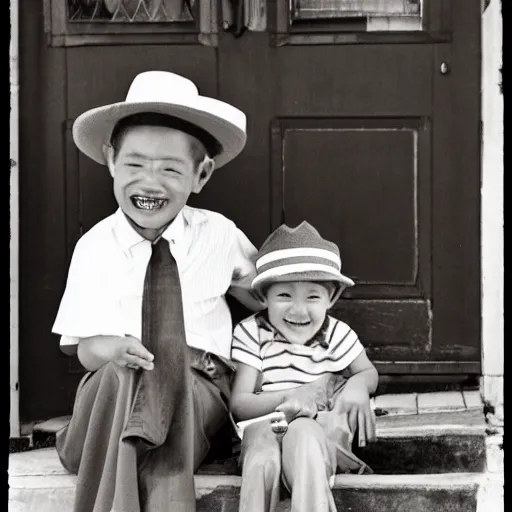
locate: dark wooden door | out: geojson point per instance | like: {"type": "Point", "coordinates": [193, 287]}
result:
{"type": "Point", "coordinates": [373, 137]}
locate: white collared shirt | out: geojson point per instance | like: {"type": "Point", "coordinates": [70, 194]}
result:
{"type": "Point", "coordinates": [103, 294]}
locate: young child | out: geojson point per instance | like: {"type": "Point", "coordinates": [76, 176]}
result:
{"type": "Point", "coordinates": [290, 344]}
{"type": "Point", "coordinates": [144, 306]}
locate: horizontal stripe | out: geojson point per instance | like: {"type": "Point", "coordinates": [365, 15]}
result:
{"type": "Point", "coordinates": [293, 368]}
{"type": "Point", "coordinates": [293, 269]}
{"type": "Point", "coordinates": [285, 351]}
{"type": "Point", "coordinates": [301, 251]}
{"type": "Point", "coordinates": [296, 261]}
{"type": "Point", "coordinates": [240, 338]}
{"type": "Point", "coordinates": [242, 356]}
{"type": "Point", "coordinates": [283, 383]}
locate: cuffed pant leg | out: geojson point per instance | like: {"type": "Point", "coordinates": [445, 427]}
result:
{"type": "Point", "coordinates": [90, 444]}
{"type": "Point", "coordinates": [309, 462]}
{"type": "Point", "coordinates": [261, 469]}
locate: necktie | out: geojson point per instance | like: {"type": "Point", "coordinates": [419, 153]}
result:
{"type": "Point", "coordinates": [163, 401]}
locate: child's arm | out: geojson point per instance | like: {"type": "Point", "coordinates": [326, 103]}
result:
{"type": "Point", "coordinates": [354, 398]}
{"type": "Point", "coordinates": [245, 403]}
{"type": "Point", "coordinates": [125, 351]}
{"type": "Point", "coordinates": [362, 370]}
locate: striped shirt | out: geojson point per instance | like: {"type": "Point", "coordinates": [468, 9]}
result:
{"type": "Point", "coordinates": [286, 365]}
{"type": "Point", "coordinates": [103, 294]}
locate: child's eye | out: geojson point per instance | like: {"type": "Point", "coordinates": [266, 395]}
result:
{"type": "Point", "coordinates": [170, 169]}
{"type": "Point", "coordinates": [285, 295]}
{"type": "Point", "coordinates": [314, 297]}
{"type": "Point", "coordinates": [131, 164]}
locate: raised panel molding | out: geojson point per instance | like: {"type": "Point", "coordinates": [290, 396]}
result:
{"type": "Point", "coordinates": [365, 184]}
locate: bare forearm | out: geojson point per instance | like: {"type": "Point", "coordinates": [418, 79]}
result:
{"type": "Point", "coordinates": [246, 406]}
{"type": "Point", "coordinates": [92, 352]}
{"type": "Point", "coordinates": [368, 378]}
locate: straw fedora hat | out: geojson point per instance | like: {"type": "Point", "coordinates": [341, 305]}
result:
{"type": "Point", "coordinates": [167, 93]}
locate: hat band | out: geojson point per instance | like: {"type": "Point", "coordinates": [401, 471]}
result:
{"type": "Point", "coordinates": [305, 260]}
{"type": "Point", "coordinates": [212, 146]}
{"type": "Point", "coordinates": [294, 269]}
{"type": "Point", "coordinates": [298, 252]}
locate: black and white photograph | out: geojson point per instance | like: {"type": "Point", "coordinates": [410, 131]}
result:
{"type": "Point", "coordinates": [256, 256]}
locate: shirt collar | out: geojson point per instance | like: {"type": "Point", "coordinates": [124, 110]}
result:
{"type": "Point", "coordinates": [175, 233]}
{"type": "Point", "coordinates": [320, 338]}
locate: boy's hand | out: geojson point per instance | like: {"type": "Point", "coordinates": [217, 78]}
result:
{"type": "Point", "coordinates": [298, 406]}
{"type": "Point", "coordinates": [129, 352]}
{"type": "Point", "coordinates": [355, 401]}
{"type": "Point", "coordinates": [307, 400]}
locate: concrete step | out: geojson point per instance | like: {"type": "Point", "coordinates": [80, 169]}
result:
{"type": "Point", "coordinates": [424, 463]}
{"type": "Point", "coordinates": [40, 484]}
{"type": "Point", "coordinates": [430, 443]}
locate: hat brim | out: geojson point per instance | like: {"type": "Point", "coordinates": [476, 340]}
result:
{"type": "Point", "coordinates": [93, 128]}
{"type": "Point", "coordinates": [344, 281]}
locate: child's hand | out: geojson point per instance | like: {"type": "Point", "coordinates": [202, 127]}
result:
{"type": "Point", "coordinates": [298, 406]}
{"type": "Point", "coordinates": [129, 352]}
{"type": "Point", "coordinates": [355, 401]}
{"type": "Point", "coordinates": [307, 400]}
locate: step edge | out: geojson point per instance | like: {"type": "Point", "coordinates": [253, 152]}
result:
{"type": "Point", "coordinates": [419, 431]}
{"type": "Point", "coordinates": [208, 483]}
{"type": "Point", "coordinates": [420, 480]}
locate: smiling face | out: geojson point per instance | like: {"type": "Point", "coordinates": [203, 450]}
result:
{"type": "Point", "coordinates": [154, 172]}
{"type": "Point", "coordinates": [297, 309]}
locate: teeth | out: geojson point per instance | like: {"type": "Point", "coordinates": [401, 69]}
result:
{"type": "Point", "coordinates": [299, 324]}
{"type": "Point", "coordinates": [147, 203]}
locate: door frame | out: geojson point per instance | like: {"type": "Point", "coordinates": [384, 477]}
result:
{"type": "Point", "coordinates": [14, 418]}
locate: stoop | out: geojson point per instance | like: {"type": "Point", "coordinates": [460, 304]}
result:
{"type": "Point", "coordinates": [424, 461]}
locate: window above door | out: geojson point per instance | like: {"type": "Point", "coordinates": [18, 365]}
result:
{"type": "Point", "coordinates": [369, 15]}
{"type": "Point", "coordinates": [130, 11]}
{"type": "Point", "coordinates": [360, 21]}
{"type": "Point", "coordinates": [117, 22]}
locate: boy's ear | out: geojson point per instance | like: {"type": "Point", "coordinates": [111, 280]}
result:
{"type": "Point", "coordinates": [336, 294]}
{"type": "Point", "coordinates": [108, 153]}
{"type": "Point", "coordinates": [204, 173]}
{"type": "Point", "coordinates": [262, 298]}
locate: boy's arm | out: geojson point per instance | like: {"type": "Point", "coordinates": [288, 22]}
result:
{"type": "Point", "coordinates": [245, 403]}
{"type": "Point", "coordinates": [363, 372]}
{"type": "Point", "coordinates": [354, 397]}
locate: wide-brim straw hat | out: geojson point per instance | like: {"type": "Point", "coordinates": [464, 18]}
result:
{"type": "Point", "coordinates": [163, 92]}
{"type": "Point", "coordinates": [299, 254]}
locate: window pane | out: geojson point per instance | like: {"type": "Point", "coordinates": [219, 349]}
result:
{"type": "Point", "coordinates": [378, 14]}
{"type": "Point", "coordinates": [130, 11]}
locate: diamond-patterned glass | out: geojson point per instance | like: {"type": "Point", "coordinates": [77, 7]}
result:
{"type": "Point", "coordinates": [131, 11]}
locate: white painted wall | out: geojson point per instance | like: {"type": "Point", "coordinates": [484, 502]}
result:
{"type": "Point", "coordinates": [492, 205]}
{"type": "Point", "coordinates": [14, 223]}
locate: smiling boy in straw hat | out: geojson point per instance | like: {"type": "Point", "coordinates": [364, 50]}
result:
{"type": "Point", "coordinates": [290, 344]}
{"type": "Point", "coordinates": [144, 306]}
